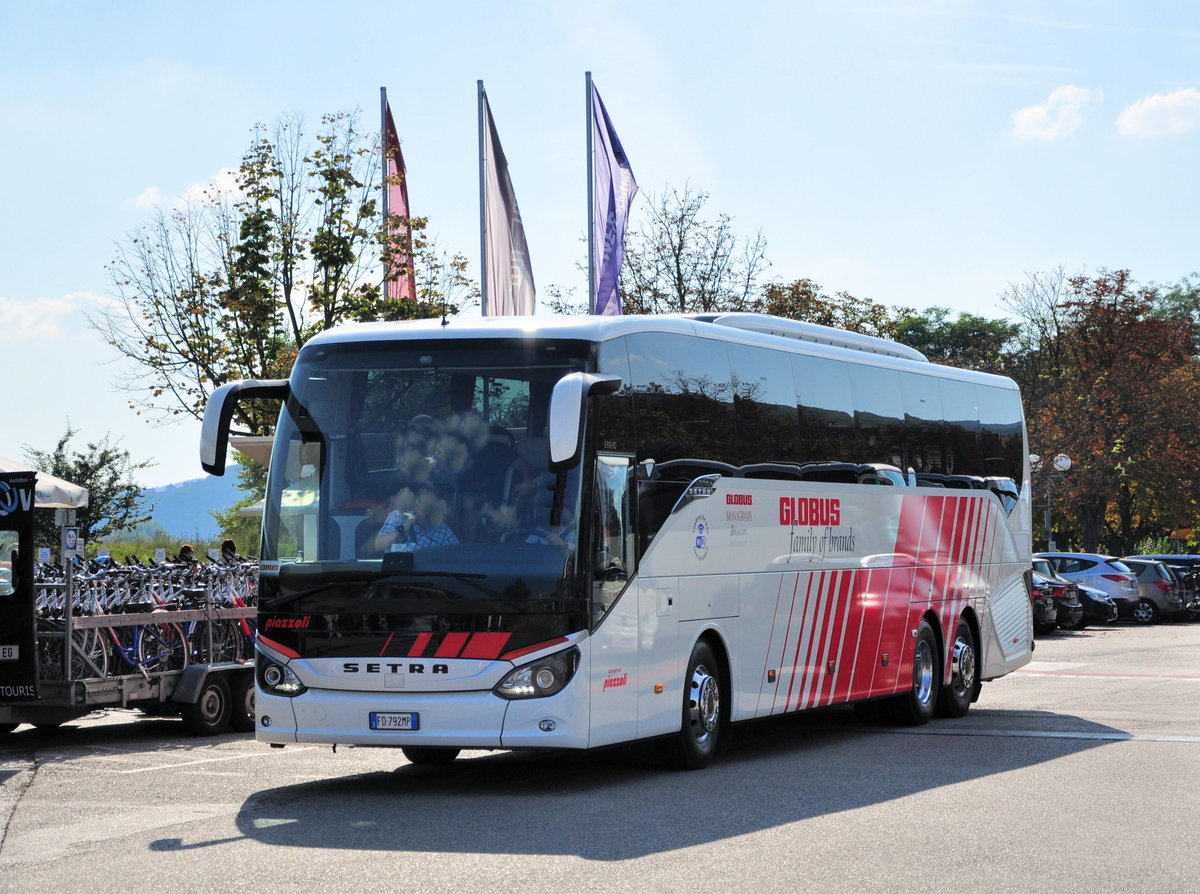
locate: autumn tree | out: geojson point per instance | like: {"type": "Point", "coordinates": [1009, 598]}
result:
{"type": "Point", "coordinates": [803, 300]}
{"type": "Point", "coordinates": [115, 499]}
{"type": "Point", "coordinates": [678, 261]}
{"type": "Point", "coordinates": [1117, 389]}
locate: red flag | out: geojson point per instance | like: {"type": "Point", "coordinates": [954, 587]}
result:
{"type": "Point", "coordinates": [398, 283]}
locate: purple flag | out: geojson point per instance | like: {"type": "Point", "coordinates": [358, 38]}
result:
{"type": "Point", "coordinates": [613, 191]}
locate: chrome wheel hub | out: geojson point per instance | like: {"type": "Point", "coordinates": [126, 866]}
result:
{"type": "Point", "coordinates": [963, 665]}
{"type": "Point", "coordinates": [923, 672]}
{"type": "Point", "coordinates": [704, 703]}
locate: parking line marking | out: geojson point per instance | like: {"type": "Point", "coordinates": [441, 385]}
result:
{"type": "Point", "coordinates": [1114, 736]}
{"type": "Point", "coordinates": [212, 760]}
{"type": "Point", "coordinates": [1195, 678]}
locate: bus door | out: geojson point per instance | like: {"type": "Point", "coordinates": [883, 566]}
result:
{"type": "Point", "coordinates": [615, 636]}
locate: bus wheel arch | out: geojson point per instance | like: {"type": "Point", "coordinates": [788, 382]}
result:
{"type": "Point", "coordinates": [956, 695]}
{"type": "Point", "coordinates": [916, 706]}
{"type": "Point", "coordinates": [705, 707]}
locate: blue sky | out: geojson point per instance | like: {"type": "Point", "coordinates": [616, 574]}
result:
{"type": "Point", "coordinates": [917, 153]}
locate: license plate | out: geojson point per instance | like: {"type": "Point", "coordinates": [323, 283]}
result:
{"type": "Point", "coordinates": [10, 653]}
{"type": "Point", "coordinates": [395, 720]}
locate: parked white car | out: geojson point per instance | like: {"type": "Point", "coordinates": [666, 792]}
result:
{"type": "Point", "coordinates": [1106, 573]}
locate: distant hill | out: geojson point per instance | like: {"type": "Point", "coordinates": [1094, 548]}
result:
{"type": "Point", "coordinates": [183, 509]}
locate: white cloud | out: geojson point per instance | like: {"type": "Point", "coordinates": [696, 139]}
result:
{"type": "Point", "coordinates": [1162, 114]}
{"type": "Point", "coordinates": [148, 199]}
{"type": "Point", "coordinates": [45, 318]}
{"type": "Point", "coordinates": [224, 182]}
{"type": "Point", "coordinates": [1059, 116]}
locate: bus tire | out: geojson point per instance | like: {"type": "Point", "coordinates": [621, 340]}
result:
{"type": "Point", "coordinates": [428, 755]}
{"type": "Point", "coordinates": [696, 743]}
{"type": "Point", "coordinates": [916, 706]}
{"type": "Point", "coordinates": [241, 715]}
{"type": "Point", "coordinates": [210, 713]}
{"type": "Point", "coordinates": [955, 698]}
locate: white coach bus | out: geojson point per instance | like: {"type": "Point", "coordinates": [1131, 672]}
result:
{"type": "Point", "coordinates": [572, 532]}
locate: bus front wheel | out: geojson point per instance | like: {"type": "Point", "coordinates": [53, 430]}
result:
{"type": "Point", "coordinates": [697, 741]}
{"type": "Point", "coordinates": [428, 755]}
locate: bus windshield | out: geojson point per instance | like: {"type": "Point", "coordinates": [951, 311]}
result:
{"type": "Point", "coordinates": [410, 493]}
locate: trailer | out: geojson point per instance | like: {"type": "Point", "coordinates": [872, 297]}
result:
{"type": "Point", "coordinates": [165, 639]}
{"type": "Point", "coordinates": [211, 696]}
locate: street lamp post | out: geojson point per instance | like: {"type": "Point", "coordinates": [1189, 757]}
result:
{"type": "Point", "coordinates": [1061, 464]}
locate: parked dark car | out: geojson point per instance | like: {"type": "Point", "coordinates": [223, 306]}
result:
{"type": "Point", "coordinates": [1045, 612]}
{"type": "Point", "coordinates": [1186, 569]}
{"type": "Point", "coordinates": [1098, 607]}
{"type": "Point", "coordinates": [1077, 606]}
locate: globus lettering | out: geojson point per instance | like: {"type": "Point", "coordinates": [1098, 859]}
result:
{"type": "Point", "coordinates": [810, 511]}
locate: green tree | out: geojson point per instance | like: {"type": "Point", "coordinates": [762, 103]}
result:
{"type": "Point", "coordinates": [115, 499]}
{"type": "Point", "coordinates": [676, 261]}
{"type": "Point", "coordinates": [967, 341]}
{"type": "Point", "coordinates": [231, 286]}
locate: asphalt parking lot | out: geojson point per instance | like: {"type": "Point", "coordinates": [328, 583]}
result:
{"type": "Point", "coordinates": [1081, 772]}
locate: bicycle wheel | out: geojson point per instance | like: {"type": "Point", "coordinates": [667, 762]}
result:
{"type": "Point", "coordinates": [90, 656]}
{"type": "Point", "coordinates": [50, 653]}
{"type": "Point", "coordinates": [161, 647]}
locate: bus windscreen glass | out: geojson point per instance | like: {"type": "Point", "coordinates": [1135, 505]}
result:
{"type": "Point", "coordinates": [410, 500]}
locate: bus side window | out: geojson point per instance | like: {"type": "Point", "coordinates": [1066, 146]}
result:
{"type": "Point", "coordinates": [613, 555]}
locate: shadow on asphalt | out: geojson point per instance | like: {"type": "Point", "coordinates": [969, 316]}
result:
{"type": "Point", "coordinates": [622, 803]}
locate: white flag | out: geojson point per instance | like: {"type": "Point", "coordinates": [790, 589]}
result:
{"type": "Point", "coordinates": [508, 277]}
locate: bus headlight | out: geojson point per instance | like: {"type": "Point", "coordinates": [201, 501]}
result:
{"type": "Point", "coordinates": [277, 679]}
{"type": "Point", "coordinates": [540, 678]}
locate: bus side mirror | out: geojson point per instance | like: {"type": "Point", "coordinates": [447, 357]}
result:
{"type": "Point", "coordinates": [568, 409]}
{"type": "Point", "coordinates": [214, 433]}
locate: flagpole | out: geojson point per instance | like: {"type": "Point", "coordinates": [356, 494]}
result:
{"type": "Point", "coordinates": [483, 259]}
{"type": "Point", "coordinates": [591, 189]}
{"type": "Point", "coordinates": [383, 148]}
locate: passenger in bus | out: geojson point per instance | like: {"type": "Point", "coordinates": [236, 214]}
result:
{"type": "Point", "coordinates": [449, 458]}
{"type": "Point", "coordinates": [495, 521]}
{"type": "Point", "coordinates": [422, 524]}
{"type": "Point", "coordinates": [400, 514]}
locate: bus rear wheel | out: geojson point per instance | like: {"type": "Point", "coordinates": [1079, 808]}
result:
{"type": "Point", "coordinates": [955, 699]}
{"type": "Point", "coordinates": [916, 706]}
{"type": "Point", "coordinates": [697, 741]}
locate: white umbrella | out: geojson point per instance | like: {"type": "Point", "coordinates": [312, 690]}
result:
{"type": "Point", "coordinates": [49, 492]}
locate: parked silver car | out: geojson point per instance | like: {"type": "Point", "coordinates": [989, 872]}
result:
{"type": "Point", "coordinates": [1106, 573]}
{"type": "Point", "coordinates": [1159, 591]}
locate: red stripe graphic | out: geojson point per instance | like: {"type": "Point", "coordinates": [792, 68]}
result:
{"type": "Point", "coordinates": [816, 640]}
{"type": "Point", "coordinates": [486, 645]}
{"type": "Point", "coordinates": [866, 604]}
{"type": "Point", "coordinates": [419, 645]}
{"type": "Point", "coordinates": [818, 580]}
{"type": "Point", "coordinates": [771, 642]}
{"type": "Point", "coordinates": [836, 639]}
{"type": "Point", "coordinates": [452, 644]}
